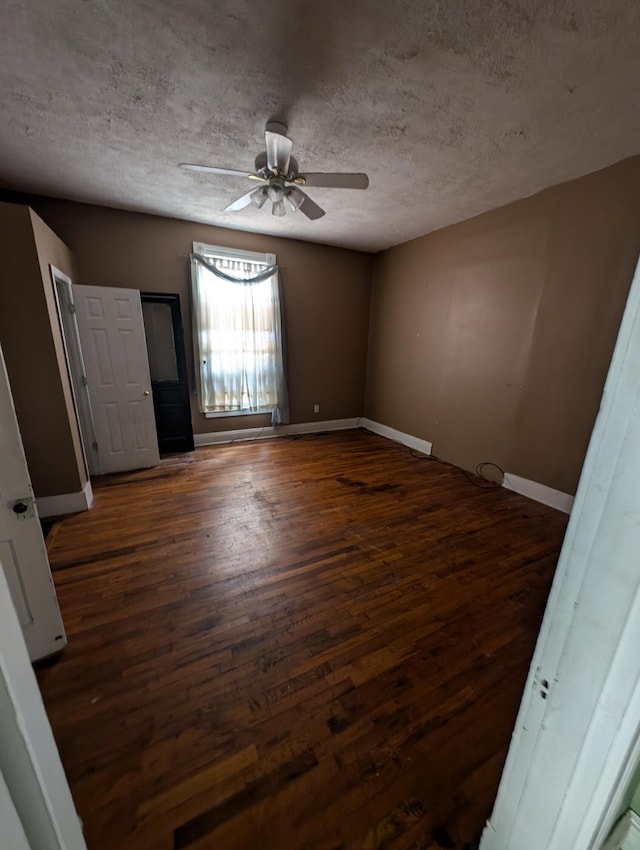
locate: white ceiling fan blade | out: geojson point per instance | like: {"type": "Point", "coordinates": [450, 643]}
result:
{"type": "Point", "coordinates": [241, 203]}
{"type": "Point", "coordinates": [299, 200]}
{"type": "Point", "coordinates": [213, 169]}
{"type": "Point", "coordinates": [335, 181]}
{"type": "Point", "coordinates": [279, 149]}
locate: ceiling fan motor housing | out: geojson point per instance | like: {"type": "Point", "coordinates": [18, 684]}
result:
{"type": "Point", "coordinates": [262, 168]}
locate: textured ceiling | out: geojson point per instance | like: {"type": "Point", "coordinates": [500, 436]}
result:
{"type": "Point", "coordinates": [452, 108]}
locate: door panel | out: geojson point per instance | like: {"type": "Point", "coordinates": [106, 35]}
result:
{"type": "Point", "coordinates": [22, 551]}
{"type": "Point", "coordinates": [114, 347]}
{"type": "Point", "coordinates": [165, 344]}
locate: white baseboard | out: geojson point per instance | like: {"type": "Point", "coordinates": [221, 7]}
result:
{"type": "Point", "coordinates": [214, 438]}
{"type": "Point", "coordinates": [539, 492]}
{"type": "Point", "coordinates": [327, 425]}
{"type": "Point", "coordinates": [409, 440]}
{"type": "Point", "coordinates": [626, 835]}
{"type": "Point", "coordinates": [66, 503]}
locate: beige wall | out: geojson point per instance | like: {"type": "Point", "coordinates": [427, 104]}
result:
{"type": "Point", "coordinates": [492, 338]}
{"type": "Point", "coordinates": [52, 251]}
{"type": "Point", "coordinates": [326, 296]}
{"type": "Point", "coordinates": [32, 345]}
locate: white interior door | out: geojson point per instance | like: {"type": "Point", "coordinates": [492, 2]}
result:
{"type": "Point", "coordinates": [115, 357]}
{"type": "Point", "coordinates": [36, 807]}
{"type": "Point", "coordinates": [22, 550]}
{"type": "Point", "coordinates": [576, 742]}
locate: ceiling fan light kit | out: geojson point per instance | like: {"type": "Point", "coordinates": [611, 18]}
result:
{"type": "Point", "coordinates": [278, 170]}
{"type": "Point", "coordinates": [294, 197]}
{"type": "Point", "coordinates": [259, 197]}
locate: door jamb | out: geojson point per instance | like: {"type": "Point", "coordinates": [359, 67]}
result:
{"type": "Point", "coordinates": [63, 292]}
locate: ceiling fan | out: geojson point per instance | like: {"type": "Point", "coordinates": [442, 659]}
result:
{"type": "Point", "coordinates": [277, 172]}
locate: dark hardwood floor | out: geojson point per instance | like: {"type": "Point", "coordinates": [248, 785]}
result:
{"type": "Point", "coordinates": [296, 644]}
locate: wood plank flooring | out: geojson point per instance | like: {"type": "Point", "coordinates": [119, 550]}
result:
{"type": "Point", "coordinates": [298, 644]}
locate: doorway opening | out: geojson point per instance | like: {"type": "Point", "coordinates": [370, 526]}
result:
{"type": "Point", "coordinates": [168, 370]}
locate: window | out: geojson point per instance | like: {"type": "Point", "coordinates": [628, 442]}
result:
{"type": "Point", "coordinates": [238, 332]}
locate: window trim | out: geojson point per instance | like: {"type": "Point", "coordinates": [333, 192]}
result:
{"type": "Point", "coordinates": [218, 252]}
{"type": "Point", "coordinates": [240, 255]}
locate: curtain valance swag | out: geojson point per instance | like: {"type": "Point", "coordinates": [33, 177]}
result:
{"type": "Point", "coordinates": [266, 273]}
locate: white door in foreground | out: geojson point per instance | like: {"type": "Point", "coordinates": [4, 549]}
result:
{"type": "Point", "coordinates": [22, 550]}
{"type": "Point", "coordinates": [33, 787]}
{"type": "Point", "coordinates": [576, 742]}
{"type": "Point", "coordinates": [115, 356]}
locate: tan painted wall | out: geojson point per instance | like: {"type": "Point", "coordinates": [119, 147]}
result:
{"type": "Point", "coordinates": [326, 296]}
{"type": "Point", "coordinates": [52, 251]}
{"type": "Point", "coordinates": [31, 341]}
{"type": "Point", "coordinates": [492, 338]}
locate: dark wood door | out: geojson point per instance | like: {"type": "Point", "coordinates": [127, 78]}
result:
{"type": "Point", "coordinates": [168, 369]}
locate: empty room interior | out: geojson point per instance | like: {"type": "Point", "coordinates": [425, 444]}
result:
{"type": "Point", "coordinates": [307, 314]}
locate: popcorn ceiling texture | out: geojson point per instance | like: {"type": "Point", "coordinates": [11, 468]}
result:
{"type": "Point", "coordinates": [452, 108]}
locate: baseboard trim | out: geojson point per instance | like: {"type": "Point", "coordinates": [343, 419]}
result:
{"type": "Point", "coordinates": [409, 440]}
{"type": "Point", "coordinates": [269, 432]}
{"type": "Point", "coordinates": [539, 492]}
{"type": "Point", "coordinates": [626, 834]}
{"type": "Point", "coordinates": [66, 503]}
{"type": "Point", "coordinates": [531, 489]}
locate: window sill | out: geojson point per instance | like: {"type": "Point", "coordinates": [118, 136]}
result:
{"type": "Point", "coordinates": [231, 414]}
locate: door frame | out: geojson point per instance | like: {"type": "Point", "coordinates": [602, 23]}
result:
{"type": "Point", "coordinates": [576, 742]}
{"type": "Point", "coordinates": [63, 292]}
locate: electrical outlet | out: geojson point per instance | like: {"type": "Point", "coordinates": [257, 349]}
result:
{"type": "Point", "coordinates": [316, 408]}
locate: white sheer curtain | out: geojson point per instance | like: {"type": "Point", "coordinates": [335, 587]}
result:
{"type": "Point", "coordinates": [238, 337]}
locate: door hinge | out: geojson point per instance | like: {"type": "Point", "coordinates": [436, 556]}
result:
{"type": "Point", "coordinates": [541, 685]}
{"type": "Point", "coordinates": [95, 445]}
{"type": "Point", "coordinates": [84, 381]}
{"type": "Point", "coordinates": [72, 308]}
